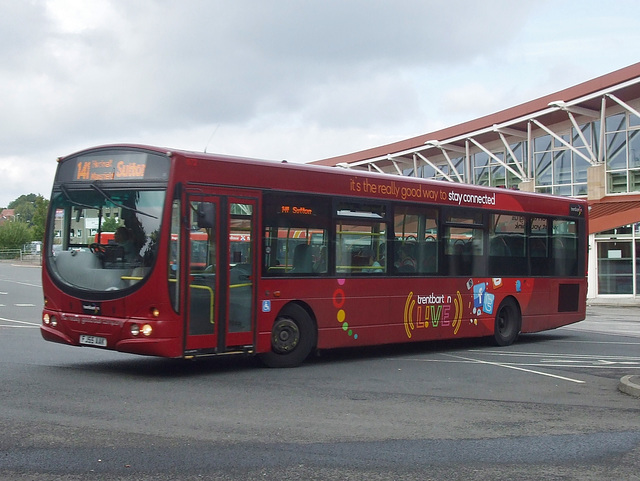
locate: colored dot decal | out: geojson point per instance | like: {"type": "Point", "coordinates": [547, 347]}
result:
{"type": "Point", "coordinates": [339, 298]}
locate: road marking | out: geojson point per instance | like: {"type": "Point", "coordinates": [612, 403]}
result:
{"type": "Point", "coordinates": [508, 366]}
{"type": "Point", "coordinates": [550, 355]}
{"type": "Point", "coordinates": [25, 305]}
{"type": "Point", "coordinates": [28, 284]}
{"type": "Point", "coordinates": [626, 343]}
{"type": "Point", "coordinates": [20, 323]}
{"type": "Point", "coordinates": [559, 360]}
{"type": "Point", "coordinates": [612, 328]}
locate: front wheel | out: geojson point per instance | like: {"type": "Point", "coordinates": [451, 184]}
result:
{"type": "Point", "coordinates": [508, 323]}
{"type": "Point", "coordinates": [293, 337]}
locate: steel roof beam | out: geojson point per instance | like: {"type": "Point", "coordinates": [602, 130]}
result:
{"type": "Point", "coordinates": [520, 176]}
{"type": "Point", "coordinates": [517, 162]}
{"type": "Point", "coordinates": [624, 105]}
{"type": "Point", "coordinates": [435, 167]}
{"type": "Point", "coordinates": [562, 141]}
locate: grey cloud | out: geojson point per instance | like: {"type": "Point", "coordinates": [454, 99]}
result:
{"type": "Point", "coordinates": [160, 64]}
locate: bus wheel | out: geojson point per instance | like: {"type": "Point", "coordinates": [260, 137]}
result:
{"type": "Point", "coordinates": [507, 326]}
{"type": "Point", "coordinates": [293, 337]}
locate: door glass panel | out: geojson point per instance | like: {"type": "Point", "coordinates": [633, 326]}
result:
{"type": "Point", "coordinates": [615, 273]}
{"type": "Point", "coordinates": [174, 257]}
{"type": "Point", "coordinates": [202, 268]}
{"type": "Point", "coordinates": [240, 267]}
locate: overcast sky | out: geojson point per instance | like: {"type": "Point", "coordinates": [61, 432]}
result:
{"type": "Point", "coordinates": [300, 80]}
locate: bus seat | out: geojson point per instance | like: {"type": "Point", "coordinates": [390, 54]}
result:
{"type": "Point", "coordinates": [302, 262]}
{"type": "Point", "coordinates": [499, 248]}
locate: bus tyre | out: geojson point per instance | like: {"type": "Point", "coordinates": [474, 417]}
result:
{"type": "Point", "coordinates": [293, 337]}
{"type": "Point", "coordinates": [507, 325]}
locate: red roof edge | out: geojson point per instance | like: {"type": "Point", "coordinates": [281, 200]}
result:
{"type": "Point", "coordinates": [568, 94]}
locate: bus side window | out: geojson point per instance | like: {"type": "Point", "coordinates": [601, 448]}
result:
{"type": "Point", "coordinates": [564, 247]}
{"type": "Point", "coordinates": [295, 250]}
{"type": "Point", "coordinates": [464, 250]}
{"type": "Point", "coordinates": [539, 246]}
{"type": "Point", "coordinates": [416, 245]}
{"type": "Point", "coordinates": [360, 247]}
{"type": "Point", "coordinates": [507, 245]}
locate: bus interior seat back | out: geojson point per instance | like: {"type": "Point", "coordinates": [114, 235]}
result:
{"type": "Point", "coordinates": [302, 259]}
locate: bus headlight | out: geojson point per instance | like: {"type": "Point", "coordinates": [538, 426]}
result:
{"type": "Point", "coordinates": [146, 330]}
{"type": "Point", "coordinates": [135, 329]}
{"type": "Point", "coordinates": [45, 319]}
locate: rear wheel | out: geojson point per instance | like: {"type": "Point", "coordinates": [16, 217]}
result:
{"type": "Point", "coordinates": [293, 337]}
{"type": "Point", "coordinates": [508, 322]}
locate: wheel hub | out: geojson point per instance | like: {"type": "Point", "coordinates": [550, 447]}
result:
{"type": "Point", "coordinates": [286, 335]}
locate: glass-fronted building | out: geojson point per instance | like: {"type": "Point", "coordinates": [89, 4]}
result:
{"type": "Point", "coordinates": [583, 141]}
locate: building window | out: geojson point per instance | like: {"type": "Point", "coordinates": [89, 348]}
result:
{"type": "Point", "coordinates": [481, 168]}
{"type": "Point", "coordinates": [619, 260]}
{"type": "Point", "coordinates": [622, 153]}
{"type": "Point", "coordinates": [558, 168]}
{"type": "Point", "coordinates": [489, 170]}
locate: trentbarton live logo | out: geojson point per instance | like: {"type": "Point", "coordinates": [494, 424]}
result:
{"type": "Point", "coordinates": [443, 311]}
{"type": "Point", "coordinates": [432, 311]}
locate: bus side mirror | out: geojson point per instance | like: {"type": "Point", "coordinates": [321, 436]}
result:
{"type": "Point", "coordinates": [206, 215]}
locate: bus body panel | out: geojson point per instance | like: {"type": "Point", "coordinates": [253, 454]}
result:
{"type": "Point", "coordinates": [361, 312]}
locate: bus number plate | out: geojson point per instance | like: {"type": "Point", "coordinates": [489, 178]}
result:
{"type": "Point", "coordinates": [93, 341]}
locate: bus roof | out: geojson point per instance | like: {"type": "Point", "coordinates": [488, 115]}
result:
{"type": "Point", "coordinates": [195, 167]}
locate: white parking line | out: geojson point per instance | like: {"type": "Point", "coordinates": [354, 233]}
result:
{"type": "Point", "coordinates": [556, 355]}
{"type": "Point", "coordinates": [560, 360]}
{"type": "Point", "coordinates": [19, 324]}
{"type": "Point", "coordinates": [509, 366]}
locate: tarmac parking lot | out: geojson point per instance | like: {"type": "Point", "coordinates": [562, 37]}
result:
{"type": "Point", "coordinates": [547, 407]}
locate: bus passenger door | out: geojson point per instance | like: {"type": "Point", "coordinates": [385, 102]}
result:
{"type": "Point", "coordinates": [200, 237]}
{"type": "Point", "coordinates": [240, 277]}
{"type": "Point", "coordinates": [220, 278]}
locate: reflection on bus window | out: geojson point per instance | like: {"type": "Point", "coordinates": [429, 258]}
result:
{"type": "Point", "coordinates": [295, 250]}
{"type": "Point", "coordinates": [416, 240]}
{"type": "Point", "coordinates": [507, 249]}
{"type": "Point", "coordinates": [564, 244]}
{"type": "Point", "coordinates": [296, 236]}
{"type": "Point", "coordinates": [361, 247]}
{"type": "Point", "coordinates": [86, 254]}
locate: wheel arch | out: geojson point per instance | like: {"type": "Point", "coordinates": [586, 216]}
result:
{"type": "Point", "coordinates": [294, 335]}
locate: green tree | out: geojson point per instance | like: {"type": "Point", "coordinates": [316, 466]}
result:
{"type": "Point", "coordinates": [31, 209]}
{"type": "Point", "coordinates": [24, 207]}
{"type": "Point", "coordinates": [110, 224]}
{"type": "Point", "coordinates": [39, 218]}
{"type": "Point", "coordinates": [14, 234]}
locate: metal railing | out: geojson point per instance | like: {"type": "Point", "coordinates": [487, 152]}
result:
{"type": "Point", "coordinates": [20, 256]}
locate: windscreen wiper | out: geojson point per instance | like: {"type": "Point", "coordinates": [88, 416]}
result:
{"type": "Point", "coordinates": [64, 190]}
{"type": "Point", "coordinates": [118, 204]}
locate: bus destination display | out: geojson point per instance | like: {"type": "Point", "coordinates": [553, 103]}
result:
{"type": "Point", "coordinates": [111, 168]}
